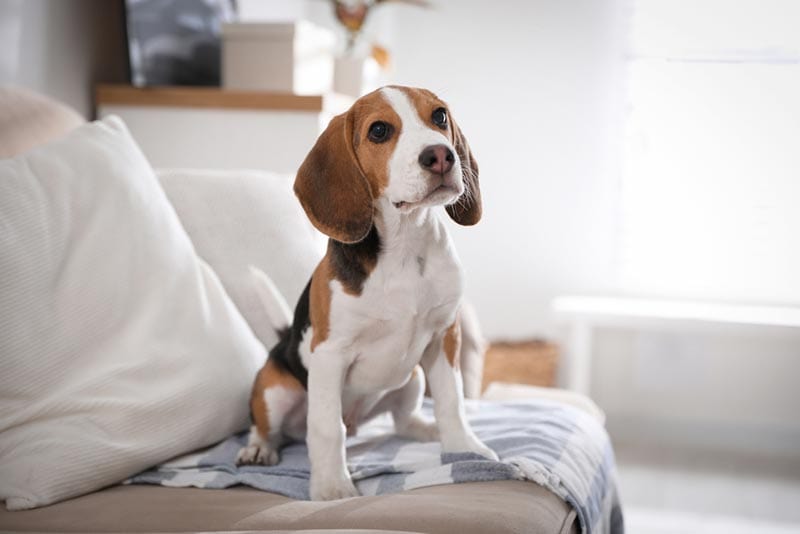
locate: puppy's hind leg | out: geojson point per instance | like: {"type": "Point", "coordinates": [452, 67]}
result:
{"type": "Point", "coordinates": [259, 450]}
{"type": "Point", "coordinates": [408, 421]}
{"type": "Point", "coordinates": [275, 394]}
{"type": "Point", "coordinates": [404, 403]}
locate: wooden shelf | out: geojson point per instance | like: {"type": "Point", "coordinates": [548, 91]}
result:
{"type": "Point", "coordinates": [205, 97]}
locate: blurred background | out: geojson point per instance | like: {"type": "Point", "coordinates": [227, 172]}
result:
{"type": "Point", "coordinates": [640, 169]}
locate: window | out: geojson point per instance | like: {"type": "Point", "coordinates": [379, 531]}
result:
{"type": "Point", "coordinates": [711, 191]}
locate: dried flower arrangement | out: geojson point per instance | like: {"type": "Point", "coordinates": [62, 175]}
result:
{"type": "Point", "coordinates": [352, 15]}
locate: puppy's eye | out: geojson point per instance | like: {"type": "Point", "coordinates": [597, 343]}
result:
{"type": "Point", "coordinates": [439, 117]}
{"type": "Point", "coordinates": [379, 132]}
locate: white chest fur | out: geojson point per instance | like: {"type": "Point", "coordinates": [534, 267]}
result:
{"type": "Point", "coordinates": [412, 295]}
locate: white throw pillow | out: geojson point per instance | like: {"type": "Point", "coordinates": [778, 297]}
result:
{"type": "Point", "coordinates": [119, 347]}
{"type": "Point", "coordinates": [240, 218]}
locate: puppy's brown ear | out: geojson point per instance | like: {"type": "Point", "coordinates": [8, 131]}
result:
{"type": "Point", "coordinates": [467, 209]}
{"type": "Point", "coordinates": [331, 186]}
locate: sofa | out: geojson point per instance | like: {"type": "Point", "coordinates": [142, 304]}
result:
{"type": "Point", "coordinates": [28, 121]}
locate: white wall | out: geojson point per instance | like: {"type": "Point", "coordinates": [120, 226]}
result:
{"type": "Point", "coordinates": [62, 47]}
{"type": "Point", "coordinates": [538, 89]}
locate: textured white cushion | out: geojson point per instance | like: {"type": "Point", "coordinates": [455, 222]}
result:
{"type": "Point", "coordinates": [241, 218]}
{"type": "Point", "coordinates": [118, 346]}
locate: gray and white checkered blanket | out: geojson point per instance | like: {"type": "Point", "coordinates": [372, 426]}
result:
{"type": "Point", "coordinates": [552, 444]}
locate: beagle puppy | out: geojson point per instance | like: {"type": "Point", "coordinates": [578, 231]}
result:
{"type": "Point", "coordinates": [383, 303]}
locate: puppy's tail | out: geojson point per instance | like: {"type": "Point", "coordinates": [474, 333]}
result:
{"type": "Point", "coordinates": [278, 313]}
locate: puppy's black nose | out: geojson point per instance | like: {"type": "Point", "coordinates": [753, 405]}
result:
{"type": "Point", "coordinates": [437, 158]}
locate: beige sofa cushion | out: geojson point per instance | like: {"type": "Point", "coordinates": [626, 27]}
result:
{"type": "Point", "coordinates": [28, 120]}
{"type": "Point", "coordinates": [481, 507]}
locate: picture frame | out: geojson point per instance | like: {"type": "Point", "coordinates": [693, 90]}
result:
{"type": "Point", "coordinates": [176, 42]}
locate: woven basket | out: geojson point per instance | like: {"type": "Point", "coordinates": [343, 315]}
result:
{"type": "Point", "coordinates": [533, 362]}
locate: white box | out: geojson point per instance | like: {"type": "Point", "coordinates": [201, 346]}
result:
{"type": "Point", "coordinates": [291, 57]}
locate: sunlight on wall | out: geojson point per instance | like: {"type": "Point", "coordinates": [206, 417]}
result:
{"type": "Point", "coordinates": [711, 189]}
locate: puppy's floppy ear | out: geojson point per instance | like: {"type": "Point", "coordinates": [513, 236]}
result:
{"type": "Point", "coordinates": [467, 209]}
{"type": "Point", "coordinates": [331, 187]}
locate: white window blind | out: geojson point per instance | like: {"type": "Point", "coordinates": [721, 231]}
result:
{"type": "Point", "coordinates": [711, 191]}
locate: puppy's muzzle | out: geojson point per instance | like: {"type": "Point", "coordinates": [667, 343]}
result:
{"type": "Point", "coordinates": [437, 159]}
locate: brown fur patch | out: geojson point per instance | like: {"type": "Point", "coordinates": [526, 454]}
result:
{"type": "Point", "coordinates": [374, 157]}
{"type": "Point", "coordinates": [331, 187]}
{"type": "Point", "coordinates": [452, 344]}
{"type": "Point", "coordinates": [468, 210]}
{"type": "Point", "coordinates": [320, 302]}
{"type": "Point", "coordinates": [425, 103]}
{"type": "Point", "coordinates": [269, 376]}
{"type": "Point", "coordinates": [417, 369]}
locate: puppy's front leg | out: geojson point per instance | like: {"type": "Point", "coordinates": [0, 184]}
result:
{"type": "Point", "coordinates": [326, 432]}
{"type": "Point", "coordinates": [441, 366]}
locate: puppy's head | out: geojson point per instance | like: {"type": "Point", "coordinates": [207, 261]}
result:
{"type": "Point", "coordinates": [399, 144]}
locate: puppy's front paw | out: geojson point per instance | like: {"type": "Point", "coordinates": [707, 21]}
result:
{"type": "Point", "coordinates": [473, 444]}
{"type": "Point", "coordinates": [480, 448]}
{"type": "Point", "coordinates": [329, 488]}
{"type": "Point", "coordinates": [261, 454]}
